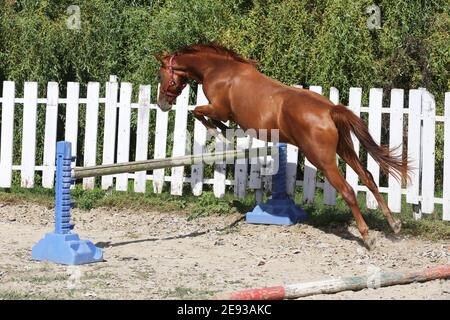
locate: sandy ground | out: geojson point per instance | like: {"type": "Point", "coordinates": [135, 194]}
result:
{"type": "Point", "coordinates": [154, 255]}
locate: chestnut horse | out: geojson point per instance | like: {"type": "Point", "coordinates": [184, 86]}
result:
{"type": "Point", "coordinates": [237, 91]}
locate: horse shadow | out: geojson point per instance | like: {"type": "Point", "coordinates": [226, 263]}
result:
{"type": "Point", "coordinates": [193, 234]}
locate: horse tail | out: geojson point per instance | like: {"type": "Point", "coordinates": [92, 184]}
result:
{"type": "Point", "coordinates": [346, 121]}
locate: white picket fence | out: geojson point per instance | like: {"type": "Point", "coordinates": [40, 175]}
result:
{"type": "Point", "coordinates": [421, 124]}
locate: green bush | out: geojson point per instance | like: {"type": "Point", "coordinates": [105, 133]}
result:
{"type": "Point", "coordinates": [87, 199]}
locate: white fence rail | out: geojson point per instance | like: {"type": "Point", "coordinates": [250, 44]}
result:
{"type": "Point", "coordinates": [118, 110]}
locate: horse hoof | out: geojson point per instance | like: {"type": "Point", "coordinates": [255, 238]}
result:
{"type": "Point", "coordinates": [397, 226]}
{"type": "Point", "coordinates": [370, 242]}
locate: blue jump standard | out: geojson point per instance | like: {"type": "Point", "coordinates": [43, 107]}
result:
{"type": "Point", "coordinates": [280, 209]}
{"type": "Point", "coordinates": [62, 246]}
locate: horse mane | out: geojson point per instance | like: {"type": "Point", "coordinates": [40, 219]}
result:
{"type": "Point", "coordinates": [217, 49]}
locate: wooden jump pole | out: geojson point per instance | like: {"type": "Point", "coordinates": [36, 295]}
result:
{"type": "Point", "coordinates": [338, 284]}
{"type": "Point", "coordinates": [107, 169]}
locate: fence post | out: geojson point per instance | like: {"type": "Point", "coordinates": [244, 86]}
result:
{"type": "Point", "coordinates": [428, 151]}
{"type": "Point", "coordinates": [62, 246]}
{"type": "Point", "coordinates": [446, 187]}
{"type": "Point", "coordinates": [7, 132]}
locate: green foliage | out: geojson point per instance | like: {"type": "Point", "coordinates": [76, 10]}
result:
{"type": "Point", "coordinates": [279, 37]}
{"type": "Point", "coordinates": [413, 45]}
{"type": "Point", "coordinates": [180, 23]}
{"type": "Point", "coordinates": [148, 201]}
{"type": "Point", "coordinates": [40, 47]}
{"type": "Point", "coordinates": [87, 199]}
{"type": "Point", "coordinates": [296, 41]}
{"type": "Point", "coordinates": [343, 48]}
{"type": "Point", "coordinates": [208, 203]}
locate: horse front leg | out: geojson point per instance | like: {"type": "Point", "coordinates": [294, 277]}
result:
{"type": "Point", "coordinates": [212, 124]}
{"type": "Point", "coordinates": [219, 124]}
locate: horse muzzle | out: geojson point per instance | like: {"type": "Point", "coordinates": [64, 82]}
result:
{"type": "Point", "coordinates": [164, 104]}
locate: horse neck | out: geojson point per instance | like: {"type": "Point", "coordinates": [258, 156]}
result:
{"type": "Point", "coordinates": [202, 67]}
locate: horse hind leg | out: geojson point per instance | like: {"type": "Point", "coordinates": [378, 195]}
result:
{"type": "Point", "coordinates": [333, 175]}
{"type": "Point", "coordinates": [366, 177]}
{"type": "Point", "coordinates": [320, 149]}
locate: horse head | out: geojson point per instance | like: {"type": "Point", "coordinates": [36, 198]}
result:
{"type": "Point", "coordinates": [172, 81]}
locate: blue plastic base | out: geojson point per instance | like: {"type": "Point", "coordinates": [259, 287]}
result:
{"type": "Point", "coordinates": [66, 249]}
{"type": "Point", "coordinates": [276, 211]}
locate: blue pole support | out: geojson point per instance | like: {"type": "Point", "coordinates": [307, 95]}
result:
{"type": "Point", "coordinates": [280, 209]}
{"type": "Point", "coordinates": [62, 246]}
